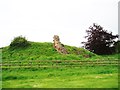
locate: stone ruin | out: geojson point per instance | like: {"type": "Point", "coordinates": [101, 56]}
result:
{"type": "Point", "coordinates": [58, 45]}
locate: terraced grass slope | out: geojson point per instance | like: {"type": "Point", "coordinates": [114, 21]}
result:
{"type": "Point", "coordinates": [41, 66]}
{"type": "Point", "coordinates": [45, 51]}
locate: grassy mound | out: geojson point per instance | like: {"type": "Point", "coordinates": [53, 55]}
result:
{"type": "Point", "coordinates": [44, 51]}
{"type": "Point", "coordinates": [74, 76]}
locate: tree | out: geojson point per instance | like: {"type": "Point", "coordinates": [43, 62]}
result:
{"type": "Point", "coordinates": [99, 41]}
{"type": "Point", "coordinates": [117, 46]}
{"type": "Point", "coordinates": [19, 42]}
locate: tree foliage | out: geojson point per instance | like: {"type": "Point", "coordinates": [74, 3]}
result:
{"type": "Point", "coordinates": [99, 41]}
{"type": "Point", "coordinates": [117, 46]}
{"type": "Point", "coordinates": [19, 42]}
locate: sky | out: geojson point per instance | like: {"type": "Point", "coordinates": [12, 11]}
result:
{"type": "Point", "coordinates": [40, 20]}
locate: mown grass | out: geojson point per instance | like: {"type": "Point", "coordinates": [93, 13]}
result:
{"type": "Point", "coordinates": [83, 77]}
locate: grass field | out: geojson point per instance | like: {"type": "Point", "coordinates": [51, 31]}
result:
{"type": "Point", "coordinates": [41, 66]}
{"type": "Point", "coordinates": [82, 77]}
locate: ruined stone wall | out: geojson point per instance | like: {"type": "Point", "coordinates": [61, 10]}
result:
{"type": "Point", "coordinates": [58, 46]}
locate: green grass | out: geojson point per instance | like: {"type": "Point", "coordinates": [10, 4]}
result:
{"type": "Point", "coordinates": [44, 51]}
{"type": "Point", "coordinates": [83, 77]}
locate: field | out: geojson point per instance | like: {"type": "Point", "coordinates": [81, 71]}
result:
{"type": "Point", "coordinates": [82, 77]}
{"type": "Point", "coordinates": [41, 67]}
{"type": "Point", "coordinates": [64, 74]}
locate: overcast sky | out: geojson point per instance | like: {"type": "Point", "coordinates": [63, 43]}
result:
{"type": "Point", "coordinates": [40, 20]}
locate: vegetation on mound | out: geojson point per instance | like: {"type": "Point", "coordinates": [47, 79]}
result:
{"type": "Point", "coordinates": [19, 42]}
{"type": "Point", "coordinates": [44, 51]}
{"type": "Point", "coordinates": [100, 41]}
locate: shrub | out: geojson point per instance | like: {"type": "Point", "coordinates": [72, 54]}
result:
{"type": "Point", "coordinates": [19, 42]}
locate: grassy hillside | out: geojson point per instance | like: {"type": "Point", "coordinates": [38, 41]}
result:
{"type": "Point", "coordinates": [34, 67]}
{"type": "Point", "coordinates": [45, 51]}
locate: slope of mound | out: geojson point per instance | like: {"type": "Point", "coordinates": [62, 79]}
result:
{"type": "Point", "coordinates": [44, 51]}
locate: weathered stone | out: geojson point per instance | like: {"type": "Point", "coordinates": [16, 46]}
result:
{"type": "Point", "coordinates": [58, 46]}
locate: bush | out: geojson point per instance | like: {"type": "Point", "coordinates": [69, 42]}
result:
{"type": "Point", "coordinates": [19, 42]}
